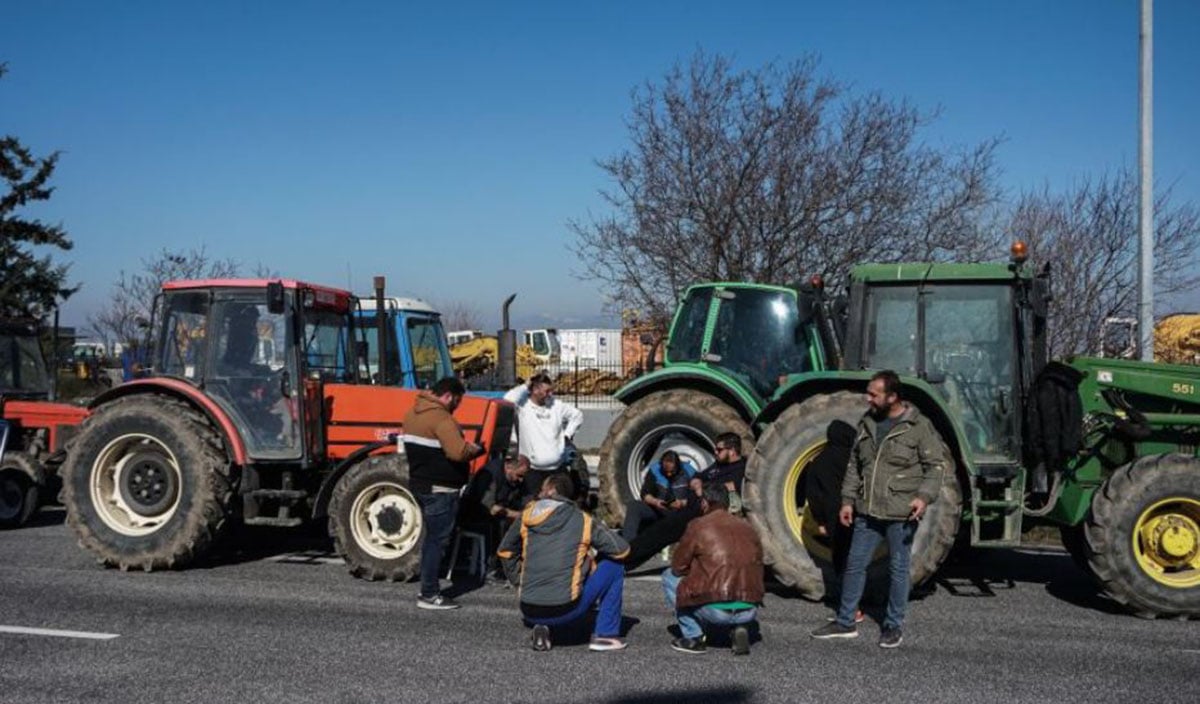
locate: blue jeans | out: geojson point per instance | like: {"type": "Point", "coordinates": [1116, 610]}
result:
{"type": "Point", "coordinates": [689, 618]}
{"type": "Point", "coordinates": [439, 511]}
{"type": "Point", "coordinates": [868, 532]}
{"type": "Point", "coordinates": [606, 586]}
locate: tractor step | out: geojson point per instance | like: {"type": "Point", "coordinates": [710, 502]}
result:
{"type": "Point", "coordinates": [997, 507]}
{"type": "Point", "coordinates": [278, 494]}
{"type": "Point", "coordinates": [273, 521]}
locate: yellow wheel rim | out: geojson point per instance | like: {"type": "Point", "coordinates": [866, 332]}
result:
{"type": "Point", "coordinates": [800, 520]}
{"type": "Point", "coordinates": [1166, 542]}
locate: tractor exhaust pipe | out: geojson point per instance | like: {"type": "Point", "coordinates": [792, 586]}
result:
{"type": "Point", "coordinates": [506, 352]}
{"type": "Point", "coordinates": [381, 329]}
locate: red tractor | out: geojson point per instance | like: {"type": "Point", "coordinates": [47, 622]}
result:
{"type": "Point", "coordinates": [33, 430]}
{"type": "Point", "coordinates": [256, 407]}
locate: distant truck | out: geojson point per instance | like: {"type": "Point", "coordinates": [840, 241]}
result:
{"type": "Point", "coordinates": [591, 348]}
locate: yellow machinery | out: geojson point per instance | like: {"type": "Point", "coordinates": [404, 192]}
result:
{"type": "Point", "coordinates": [475, 357]}
{"type": "Point", "coordinates": [1177, 339]}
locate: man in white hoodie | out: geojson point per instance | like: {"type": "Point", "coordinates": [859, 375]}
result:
{"type": "Point", "coordinates": [544, 427]}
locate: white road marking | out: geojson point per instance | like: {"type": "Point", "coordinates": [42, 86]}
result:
{"type": "Point", "coordinates": [87, 635]}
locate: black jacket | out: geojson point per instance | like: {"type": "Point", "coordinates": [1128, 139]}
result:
{"type": "Point", "coordinates": [1054, 417]}
{"type": "Point", "coordinates": [823, 478]}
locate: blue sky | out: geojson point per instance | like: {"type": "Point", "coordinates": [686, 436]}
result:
{"type": "Point", "coordinates": [447, 146]}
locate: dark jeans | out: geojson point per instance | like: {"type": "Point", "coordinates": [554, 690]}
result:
{"type": "Point", "coordinates": [637, 514]}
{"type": "Point", "coordinates": [659, 535]}
{"type": "Point", "coordinates": [605, 587]}
{"type": "Point", "coordinates": [439, 511]}
{"type": "Point", "coordinates": [868, 533]}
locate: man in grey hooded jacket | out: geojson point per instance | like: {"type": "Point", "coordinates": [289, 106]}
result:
{"type": "Point", "coordinates": [549, 552]}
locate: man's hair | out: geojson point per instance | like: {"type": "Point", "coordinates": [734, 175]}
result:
{"type": "Point", "coordinates": [563, 485]}
{"type": "Point", "coordinates": [731, 440]}
{"type": "Point", "coordinates": [539, 379]}
{"type": "Point", "coordinates": [891, 381]}
{"type": "Point", "coordinates": [516, 460]}
{"type": "Point", "coordinates": [670, 455]}
{"type": "Point", "coordinates": [717, 496]}
{"type": "Point", "coordinates": [449, 385]}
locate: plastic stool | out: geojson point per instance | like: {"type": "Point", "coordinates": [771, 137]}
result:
{"type": "Point", "coordinates": [476, 555]}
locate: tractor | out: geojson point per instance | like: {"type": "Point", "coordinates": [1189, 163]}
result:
{"type": "Point", "coordinates": [35, 429]}
{"type": "Point", "coordinates": [969, 341]}
{"type": "Point", "coordinates": [256, 408]}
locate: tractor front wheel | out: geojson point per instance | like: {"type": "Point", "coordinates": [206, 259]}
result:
{"type": "Point", "coordinates": [146, 483]}
{"type": "Point", "coordinates": [682, 420]}
{"type": "Point", "coordinates": [375, 520]}
{"type": "Point", "coordinates": [1143, 536]}
{"type": "Point", "coordinates": [18, 489]}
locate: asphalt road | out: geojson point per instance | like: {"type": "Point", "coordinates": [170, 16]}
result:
{"type": "Point", "coordinates": [281, 621]}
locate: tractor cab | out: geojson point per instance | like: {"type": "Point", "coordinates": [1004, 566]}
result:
{"type": "Point", "coordinates": [417, 352]}
{"type": "Point", "coordinates": [23, 371]}
{"type": "Point", "coordinates": [755, 332]}
{"type": "Point", "coordinates": [248, 344]}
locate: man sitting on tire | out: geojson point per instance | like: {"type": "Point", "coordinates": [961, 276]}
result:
{"type": "Point", "coordinates": [895, 472]}
{"type": "Point", "coordinates": [715, 577]}
{"type": "Point", "coordinates": [666, 489]}
{"type": "Point", "coordinates": [437, 459]}
{"type": "Point", "coordinates": [546, 554]}
{"type": "Point", "coordinates": [545, 426]}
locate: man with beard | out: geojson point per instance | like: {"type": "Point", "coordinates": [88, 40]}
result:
{"type": "Point", "coordinates": [895, 472]}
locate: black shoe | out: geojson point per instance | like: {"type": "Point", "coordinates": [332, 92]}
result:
{"type": "Point", "coordinates": [437, 602]}
{"type": "Point", "coordinates": [741, 640]}
{"type": "Point", "coordinates": [541, 638]}
{"type": "Point", "coordinates": [695, 646]}
{"type": "Point", "coordinates": [833, 629]}
{"type": "Point", "coordinates": [890, 638]}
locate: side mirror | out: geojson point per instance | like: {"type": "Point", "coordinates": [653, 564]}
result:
{"type": "Point", "coordinates": [275, 297]}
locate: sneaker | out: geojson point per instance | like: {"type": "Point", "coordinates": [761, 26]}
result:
{"type": "Point", "coordinates": [695, 646]}
{"type": "Point", "coordinates": [601, 643]}
{"type": "Point", "coordinates": [741, 641]}
{"type": "Point", "coordinates": [890, 638]}
{"type": "Point", "coordinates": [541, 638]}
{"type": "Point", "coordinates": [859, 617]}
{"type": "Point", "coordinates": [835, 630]}
{"type": "Point", "coordinates": [437, 602]}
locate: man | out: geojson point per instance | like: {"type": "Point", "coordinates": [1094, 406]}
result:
{"type": "Point", "coordinates": [727, 472]}
{"type": "Point", "coordinates": [437, 465]}
{"type": "Point", "coordinates": [716, 576]}
{"type": "Point", "coordinates": [895, 472]}
{"type": "Point", "coordinates": [493, 500]}
{"type": "Point", "coordinates": [666, 488]}
{"type": "Point", "coordinates": [548, 549]}
{"type": "Point", "coordinates": [545, 425]}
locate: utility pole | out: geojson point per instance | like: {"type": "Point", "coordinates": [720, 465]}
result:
{"type": "Point", "coordinates": [1145, 167]}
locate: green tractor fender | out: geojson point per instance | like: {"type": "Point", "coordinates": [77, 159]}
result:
{"type": "Point", "coordinates": [729, 389]}
{"type": "Point", "coordinates": [915, 390]}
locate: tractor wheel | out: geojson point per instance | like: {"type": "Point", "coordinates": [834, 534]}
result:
{"type": "Point", "coordinates": [375, 521]}
{"type": "Point", "coordinates": [799, 557]}
{"type": "Point", "coordinates": [146, 483]}
{"type": "Point", "coordinates": [1143, 536]}
{"type": "Point", "coordinates": [18, 489]}
{"type": "Point", "coordinates": [1075, 542]}
{"type": "Point", "coordinates": [683, 420]}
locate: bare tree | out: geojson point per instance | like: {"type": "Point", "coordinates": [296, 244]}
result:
{"type": "Point", "coordinates": [124, 318]}
{"type": "Point", "coordinates": [1088, 234]}
{"type": "Point", "coordinates": [459, 315]}
{"type": "Point", "coordinates": [772, 175]}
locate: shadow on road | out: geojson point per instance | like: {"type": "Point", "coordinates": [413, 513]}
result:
{"type": "Point", "coordinates": [47, 516]}
{"type": "Point", "coordinates": [984, 573]}
{"type": "Point", "coordinates": [729, 695]}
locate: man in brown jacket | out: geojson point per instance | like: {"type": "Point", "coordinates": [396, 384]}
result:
{"type": "Point", "coordinates": [437, 469]}
{"type": "Point", "coordinates": [716, 576]}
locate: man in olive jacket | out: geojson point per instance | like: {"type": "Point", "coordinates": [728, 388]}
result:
{"type": "Point", "coordinates": [896, 470]}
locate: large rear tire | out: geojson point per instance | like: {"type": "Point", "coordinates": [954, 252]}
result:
{"type": "Point", "coordinates": [1143, 536]}
{"type": "Point", "coordinates": [18, 489]}
{"type": "Point", "coordinates": [798, 556]}
{"type": "Point", "coordinates": [375, 520]}
{"type": "Point", "coordinates": [683, 420]}
{"type": "Point", "coordinates": [146, 483]}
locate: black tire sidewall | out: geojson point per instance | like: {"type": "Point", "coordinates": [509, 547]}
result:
{"type": "Point", "coordinates": [23, 469]}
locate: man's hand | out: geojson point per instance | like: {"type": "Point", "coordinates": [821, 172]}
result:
{"type": "Point", "coordinates": [474, 450]}
{"type": "Point", "coordinates": [846, 515]}
{"type": "Point", "coordinates": [678, 504]}
{"type": "Point", "coordinates": [918, 509]}
{"type": "Point", "coordinates": [822, 531]}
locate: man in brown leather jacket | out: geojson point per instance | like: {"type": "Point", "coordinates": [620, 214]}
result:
{"type": "Point", "coordinates": [716, 576]}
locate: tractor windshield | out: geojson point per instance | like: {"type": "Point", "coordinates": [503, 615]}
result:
{"type": "Point", "coordinates": [758, 337]}
{"type": "Point", "coordinates": [968, 353]}
{"type": "Point", "coordinates": [327, 346]}
{"type": "Point", "coordinates": [22, 369]}
{"type": "Point", "coordinates": [430, 356]}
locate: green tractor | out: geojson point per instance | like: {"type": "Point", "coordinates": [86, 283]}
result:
{"type": "Point", "coordinates": [970, 343]}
